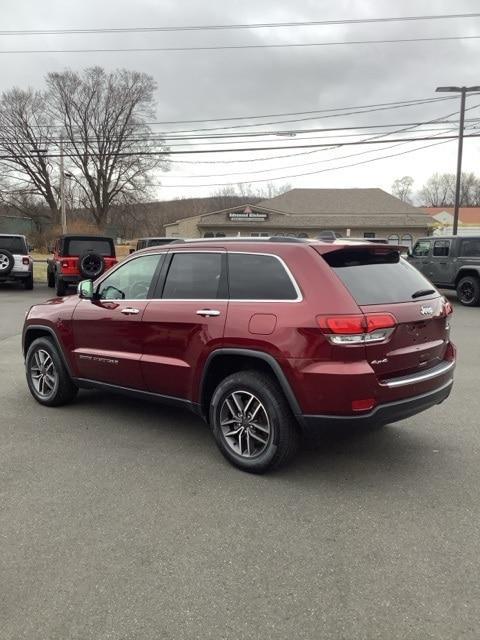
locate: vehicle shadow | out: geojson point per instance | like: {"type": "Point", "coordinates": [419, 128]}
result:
{"type": "Point", "coordinates": [336, 451]}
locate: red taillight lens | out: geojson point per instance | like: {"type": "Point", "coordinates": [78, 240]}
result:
{"type": "Point", "coordinates": [26, 260]}
{"type": "Point", "coordinates": [379, 321]}
{"type": "Point", "coordinates": [447, 307]}
{"type": "Point", "coordinates": [342, 324]}
{"type": "Point", "coordinates": [356, 324]}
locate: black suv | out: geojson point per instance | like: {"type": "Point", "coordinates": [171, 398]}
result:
{"type": "Point", "coordinates": [144, 243]}
{"type": "Point", "coordinates": [76, 257]}
{"type": "Point", "coordinates": [451, 263]}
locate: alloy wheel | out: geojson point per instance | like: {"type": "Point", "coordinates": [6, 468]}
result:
{"type": "Point", "coordinates": [245, 424]}
{"type": "Point", "coordinates": [4, 262]}
{"type": "Point", "coordinates": [43, 373]}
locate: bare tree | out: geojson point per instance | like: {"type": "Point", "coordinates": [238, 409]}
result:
{"type": "Point", "coordinates": [402, 188]}
{"type": "Point", "coordinates": [439, 190]}
{"type": "Point", "coordinates": [108, 142]}
{"type": "Point", "coordinates": [27, 134]}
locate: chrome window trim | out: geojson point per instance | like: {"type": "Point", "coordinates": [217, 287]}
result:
{"type": "Point", "coordinates": [220, 250]}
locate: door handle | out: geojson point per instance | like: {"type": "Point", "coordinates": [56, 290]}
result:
{"type": "Point", "coordinates": [207, 313]}
{"type": "Point", "coordinates": [130, 311]}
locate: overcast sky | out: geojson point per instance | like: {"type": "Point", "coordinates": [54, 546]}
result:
{"type": "Point", "coordinates": [196, 85]}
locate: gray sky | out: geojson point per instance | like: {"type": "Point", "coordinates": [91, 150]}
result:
{"type": "Point", "coordinates": [220, 84]}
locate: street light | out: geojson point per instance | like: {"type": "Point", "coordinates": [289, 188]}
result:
{"type": "Point", "coordinates": [463, 93]}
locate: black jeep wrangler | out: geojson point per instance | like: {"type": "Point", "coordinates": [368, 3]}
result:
{"type": "Point", "coordinates": [451, 263]}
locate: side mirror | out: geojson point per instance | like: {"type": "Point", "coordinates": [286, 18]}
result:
{"type": "Point", "coordinates": [85, 289]}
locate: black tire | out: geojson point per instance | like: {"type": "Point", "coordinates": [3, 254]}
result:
{"type": "Point", "coordinates": [91, 265]}
{"type": "Point", "coordinates": [282, 440]}
{"type": "Point", "coordinates": [60, 286]}
{"type": "Point", "coordinates": [7, 262]}
{"type": "Point", "coordinates": [468, 291]}
{"type": "Point", "coordinates": [28, 282]}
{"type": "Point", "coordinates": [63, 391]}
{"type": "Point", "coordinates": [50, 278]}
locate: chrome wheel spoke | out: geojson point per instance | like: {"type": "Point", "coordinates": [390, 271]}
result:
{"type": "Point", "coordinates": [256, 437]}
{"type": "Point", "coordinates": [234, 432]}
{"type": "Point", "coordinates": [224, 423]}
{"type": "Point", "coordinates": [237, 402]}
{"type": "Point", "coordinates": [260, 427]}
{"type": "Point", "coordinates": [248, 443]}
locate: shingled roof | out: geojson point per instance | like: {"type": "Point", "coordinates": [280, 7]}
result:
{"type": "Point", "coordinates": [339, 201]}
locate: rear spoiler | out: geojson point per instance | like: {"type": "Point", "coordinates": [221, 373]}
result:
{"type": "Point", "coordinates": [369, 247]}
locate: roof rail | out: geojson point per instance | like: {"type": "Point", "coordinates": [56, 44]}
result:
{"type": "Point", "coordinates": [243, 239]}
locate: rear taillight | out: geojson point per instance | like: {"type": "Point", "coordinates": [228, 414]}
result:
{"type": "Point", "coordinates": [25, 260]}
{"type": "Point", "coordinates": [447, 307]}
{"type": "Point", "coordinates": [357, 329]}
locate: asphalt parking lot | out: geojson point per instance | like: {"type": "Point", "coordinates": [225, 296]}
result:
{"type": "Point", "coordinates": [120, 520]}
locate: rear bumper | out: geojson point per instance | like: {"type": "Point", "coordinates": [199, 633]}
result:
{"type": "Point", "coordinates": [16, 275]}
{"type": "Point", "coordinates": [383, 413]}
{"type": "Point", "coordinates": [71, 279]}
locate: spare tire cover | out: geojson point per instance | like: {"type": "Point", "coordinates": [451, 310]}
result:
{"type": "Point", "coordinates": [91, 264]}
{"type": "Point", "coordinates": [7, 262]}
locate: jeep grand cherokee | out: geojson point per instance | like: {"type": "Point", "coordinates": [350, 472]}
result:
{"type": "Point", "coordinates": [265, 339]}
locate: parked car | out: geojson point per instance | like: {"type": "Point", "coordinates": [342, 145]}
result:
{"type": "Point", "coordinates": [265, 339]}
{"type": "Point", "coordinates": [76, 257]}
{"type": "Point", "coordinates": [451, 263]}
{"type": "Point", "coordinates": [143, 243]}
{"type": "Point", "coordinates": [16, 264]}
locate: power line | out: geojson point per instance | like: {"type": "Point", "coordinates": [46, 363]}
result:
{"type": "Point", "coordinates": [251, 149]}
{"type": "Point", "coordinates": [222, 27]}
{"type": "Point", "coordinates": [346, 166]}
{"type": "Point", "coordinates": [241, 46]}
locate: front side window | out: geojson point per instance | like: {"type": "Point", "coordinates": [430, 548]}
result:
{"type": "Point", "coordinates": [131, 281]}
{"type": "Point", "coordinates": [422, 248]}
{"type": "Point", "coordinates": [258, 277]}
{"type": "Point", "coordinates": [194, 276]}
{"type": "Point", "coordinates": [441, 248]}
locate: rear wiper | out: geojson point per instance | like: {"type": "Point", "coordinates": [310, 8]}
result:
{"type": "Point", "coordinates": [422, 292]}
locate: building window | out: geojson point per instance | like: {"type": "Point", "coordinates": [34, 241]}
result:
{"type": "Point", "coordinates": [208, 234]}
{"type": "Point", "coordinates": [407, 240]}
{"type": "Point", "coordinates": [259, 234]}
{"type": "Point", "coordinates": [393, 239]}
{"type": "Point", "coordinates": [369, 234]}
{"type": "Point", "coordinates": [220, 234]}
{"type": "Point", "coordinates": [302, 234]}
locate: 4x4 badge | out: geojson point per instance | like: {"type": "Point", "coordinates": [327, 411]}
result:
{"type": "Point", "coordinates": [426, 311]}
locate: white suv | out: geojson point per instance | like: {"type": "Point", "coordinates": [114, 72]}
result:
{"type": "Point", "coordinates": [15, 262]}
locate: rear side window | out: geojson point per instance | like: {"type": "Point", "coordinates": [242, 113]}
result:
{"type": "Point", "coordinates": [258, 277]}
{"type": "Point", "coordinates": [470, 248]}
{"type": "Point", "coordinates": [422, 248]}
{"type": "Point", "coordinates": [194, 276]}
{"type": "Point", "coordinates": [13, 244]}
{"type": "Point", "coordinates": [441, 248]}
{"type": "Point", "coordinates": [79, 246]}
{"type": "Point", "coordinates": [377, 278]}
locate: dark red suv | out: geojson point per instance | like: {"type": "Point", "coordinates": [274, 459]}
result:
{"type": "Point", "coordinates": [265, 339]}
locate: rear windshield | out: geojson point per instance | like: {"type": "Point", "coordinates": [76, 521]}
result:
{"type": "Point", "coordinates": [79, 246]}
{"type": "Point", "coordinates": [13, 244]}
{"type": "Point", "coordinates": [374, 278]}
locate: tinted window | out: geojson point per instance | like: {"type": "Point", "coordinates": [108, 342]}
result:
{"type": "Point", "coordinates": [375, 278]}
{"type": "Point", "coordinates": [257, 277]}
{"type": "Point", "coordinates": [79, 246]}
{"type": "Point", "coordinates": [422, 248]}
{"type": "Point", "coordinates": [194, 276]}
{"type": "Point", "coordinates": [470, 247]}
{"type": "Point", "coordinates": [131, 281]}
{"type": "Point", "coordinates": [13, 244]}
{"type": "Point", "coordinates": [441, 248]}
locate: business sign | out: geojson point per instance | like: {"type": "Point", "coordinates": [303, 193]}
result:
{"type": "Point", "coordinates": [248, 215]}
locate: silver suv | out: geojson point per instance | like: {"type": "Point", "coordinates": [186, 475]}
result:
{"type": "Point", "coordinates": [16, 265]}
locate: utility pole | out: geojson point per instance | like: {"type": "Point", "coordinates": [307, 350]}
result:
{"type": "Point", "coordinates": [63, 212]}
{"type": "Point", "coordinates": [463, 94]}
